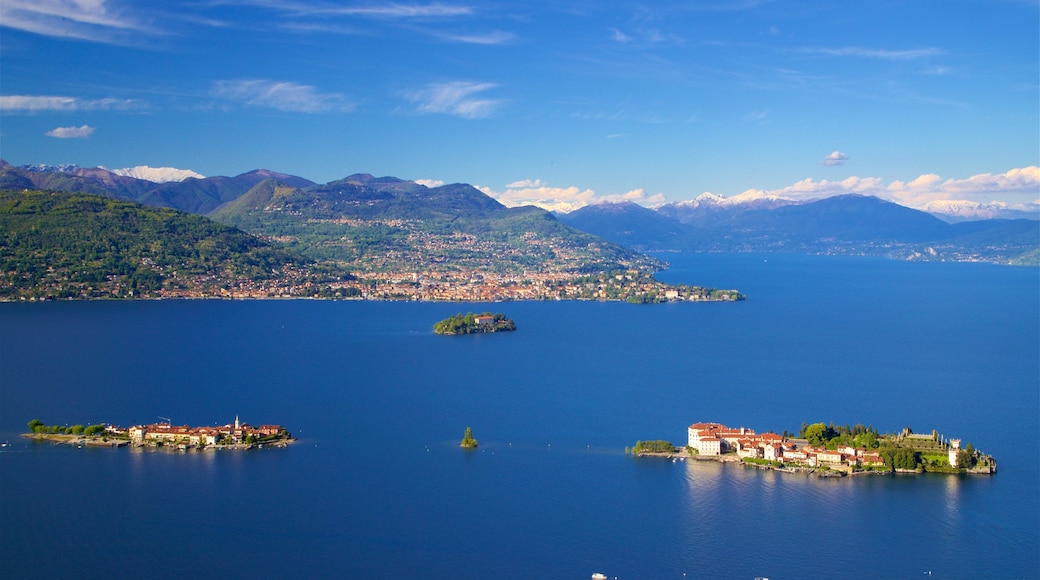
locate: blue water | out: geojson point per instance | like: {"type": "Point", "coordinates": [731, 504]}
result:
{"type": "Point", "coordinates": [377, 486]}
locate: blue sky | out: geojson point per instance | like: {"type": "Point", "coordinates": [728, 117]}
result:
{"type": "Point", "coordinates": [566, 102]}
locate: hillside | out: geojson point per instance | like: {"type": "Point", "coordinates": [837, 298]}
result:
{"type": "Point", "coordinates": [68, 245]}
{"type": "Point", "coordinates": [369, 224]}
{"type": "Point", "coordinates": [363, 223]}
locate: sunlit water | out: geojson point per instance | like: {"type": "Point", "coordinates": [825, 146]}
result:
{"type": "Point", "coordinates": [377, 486]}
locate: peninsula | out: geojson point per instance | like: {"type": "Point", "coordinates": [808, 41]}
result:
{"type": "Point", "coordinates": [827, 450]}
{"type": "Point", "coordinates": [237, 435]}
{"type": "Point", "coordinates": [484, 322]}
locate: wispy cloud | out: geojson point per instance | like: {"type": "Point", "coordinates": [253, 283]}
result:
{"type": "Point", "coordinates": [755, 116]}
{"type": "Point", "coordinates": [106, 21]}
{"type": "Point", "coordinates": [860, 52]}
{"type": "Point", "coordinates": [494, 37]}
{"type": "Point", "coordinates": [325, 17]}
{"type": "Point", "coordinates": [834, 158]}
{"type": "Point", "coordinates": [394, 10]}
{"type": "Point", "coordinates": [281, 95]}
{"type": "Point", "coordinates": [81, 132]}
{"type": "Point", "coordinates": [563, 199]}
{"type": "Point", "coordinates": [458, 98]}
{"type": "Point", "coordinates": [430, 182]}
{"type": "Point", "coordinates": [40, 103]}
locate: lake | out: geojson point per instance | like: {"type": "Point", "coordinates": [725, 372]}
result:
{"type": "Point", "coordinates": [377, 487]}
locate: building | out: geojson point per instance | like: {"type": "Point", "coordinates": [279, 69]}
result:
{"type": "Point", "coordinates": [955, 447]}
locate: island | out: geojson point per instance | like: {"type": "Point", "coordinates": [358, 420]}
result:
{"type": "Point", "coordinates": [468, 442]}
{"type": "Point", "coordinates": [484, 322]}
{"type": "Point", "coordinates": [237, 435]}
{"type": "Point", "coordinates": [826, 450]}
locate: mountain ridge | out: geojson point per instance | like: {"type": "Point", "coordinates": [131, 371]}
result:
{"type": "Point", "coordinates": [842, 224]}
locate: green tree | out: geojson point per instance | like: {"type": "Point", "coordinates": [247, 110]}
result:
{"type": "Point", "coordinates": [866, 439]}
{"type": "Point", "coordinates": [35, 425]}
{"type": "Point", "coordinates": [93, 429]}
{"type": "Point", "coordinates": [816, 434]}
{"type": "Point", "coordinates": [467, 439]}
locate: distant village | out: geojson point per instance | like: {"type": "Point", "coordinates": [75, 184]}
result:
{"type": "Point", "coordinates": [240, 434]}
{"type": "Point", "coordinates": [905, 452]}
{"type": "Point", "coordinates": [237, 435]}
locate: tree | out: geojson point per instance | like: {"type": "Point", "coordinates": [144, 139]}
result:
{"type": "Point", "coordinates": [34, 425]}
{"type": "Point", "coordinates": [965, 459]}
{"type": "Point", "coordinates": [816, 434]}
{"type": "Point", "coordinates": [467, 440]}
{"type": "Point", "coordinates": [867, 440]}
{"type": "Point", "coordinates": [93, 429]}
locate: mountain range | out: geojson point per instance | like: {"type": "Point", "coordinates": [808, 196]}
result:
{"type": "Point", "coordinates": [386, 223]}
{"type": "Point", "coordinates": [843, 224]}
{"type": "Point", "coordinates": [361, 222]}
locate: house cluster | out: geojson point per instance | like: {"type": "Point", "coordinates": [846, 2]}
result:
{"type": "Point", "coordinates": [715, 439]}
{"type": "Point", "coordinates": [202, 436]}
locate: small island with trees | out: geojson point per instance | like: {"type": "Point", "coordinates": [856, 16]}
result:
{"type": "Point", "coordinates": [826, 450]}
{"type": "Point", "coordinates": [468, 442]}
{"type": "Point", "coordinates": [470, 323]}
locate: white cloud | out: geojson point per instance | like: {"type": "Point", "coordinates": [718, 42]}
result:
{"type": "Point", "coordinates": [563, 199]}
{"type": "Point", "coordinates": [834, 158]}
{"type": "Point", "coordinates": [281, 95]}
{"type": "Point", "coordinates": [458, 98]}
{"type": "Point", "coordinates": [35, 103]}
{"type": "Point", "coordinates": [430, 182]}
{"type": "Point", "coordinates": [81, 132]}
{"type": "Point", "coordinates": [92, 20]}
{"type": "Point", "coordinates": [1017, 188]}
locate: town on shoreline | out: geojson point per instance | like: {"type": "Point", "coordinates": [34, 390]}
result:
{"type": "Point", "coordinates": [458, 285]}
{"type": "Point", "coordinates": [237, 435]}
{"type": "Point", "coordinates": [825, 450]}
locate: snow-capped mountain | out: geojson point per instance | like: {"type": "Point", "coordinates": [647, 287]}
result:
{"type": "Point", "coordinates": [157, 174]}
{"type": "Point", "coordinates": [954, 210]}
{"type": "Point", "coordinates": [44, 168]}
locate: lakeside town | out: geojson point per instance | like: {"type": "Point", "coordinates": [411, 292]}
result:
{"type": "Point", "coordinates": [827, 451]}
{"type": "Point", "coordinates": [460, 285]}
{"type": "Point", "coordinates": [237, 435]}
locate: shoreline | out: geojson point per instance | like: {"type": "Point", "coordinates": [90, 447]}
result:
{"type": "Point", "coordinates": [80, 441]}
{"type": "Point", "coordinates": [829, 472]}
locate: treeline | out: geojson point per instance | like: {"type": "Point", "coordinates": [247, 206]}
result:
{"type": "Point", "coordinates": [37, 426]}
{"type": "Point", "coordinates": [833, 436]}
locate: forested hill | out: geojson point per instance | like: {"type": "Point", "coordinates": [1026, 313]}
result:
{"type": "Point", "coordinates": [64, 245]}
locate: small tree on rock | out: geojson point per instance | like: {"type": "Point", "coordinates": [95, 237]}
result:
{"type": "Point", "coordinates": [467, 440]}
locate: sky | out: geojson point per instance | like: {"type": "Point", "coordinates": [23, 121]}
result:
{"type": "Point", "coordinates": [562, 103]}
